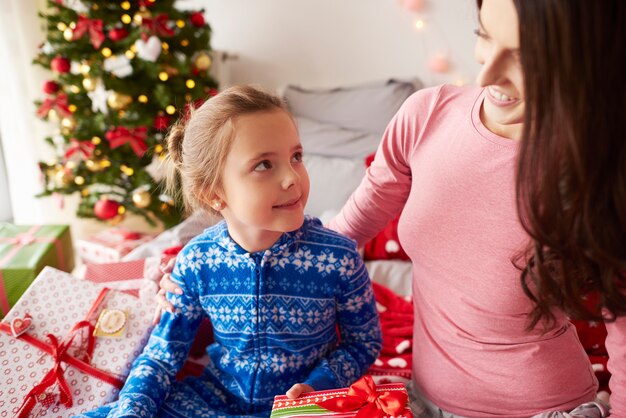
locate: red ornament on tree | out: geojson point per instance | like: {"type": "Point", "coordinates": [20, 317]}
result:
{"type": "Point", "coordinates": [117, 34]}
{"type": "Point", "coordinates": [60, 64]}
{"type": "Point", "coordinates": [197, 19]}
{"type": "Point", "coordinates": [161, 122]}
{"type": "Point", "coordinates": [51, 87]}
{"type": "Point", "coordinates": [106, 209]}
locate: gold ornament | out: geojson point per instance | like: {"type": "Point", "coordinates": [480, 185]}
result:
{"type": "Point", "coordinates": [93, 166]}
{"type": "Point", "coordinates": [89, 84]}
{"type": "Point", "coordinates": [140, 16]}
{"type": "Point", "coordinates": [117, 219]}
{"type": "Point", "coordinates": [119, 101]}
{"type": "Point", "coordinates": [67, 125]}
{"type": "Point", "coordinates": [202, 61]}
{"type": "Point", "coordinates": [68, 34]}
{"type": "Point", "coordinates": [142, 199]}
{"type": "Point", "coordinates": [63, 177]}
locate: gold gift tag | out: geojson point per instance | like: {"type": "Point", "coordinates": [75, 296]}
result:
{"type": "Point", "coordinates": [111, 323]}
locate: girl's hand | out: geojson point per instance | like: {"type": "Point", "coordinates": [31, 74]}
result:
{"type": "Point", "coordinates": [298, 389]}
{"type": "Point", "coordinates": [167, 285]}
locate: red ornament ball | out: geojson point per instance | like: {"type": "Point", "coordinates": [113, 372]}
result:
{"type": "Point", "coordinates": [51, 87]}
{"type": "Point", "coordinates": [197, 19]}
{"type": "Point", "coordinates": [106, 209]}
{"type": "Point", "coordinates": [161, 122]}
{"type": "Point", "coordinates": [117, 34]}
{"type": "Point", "coordinates": [60, 64]}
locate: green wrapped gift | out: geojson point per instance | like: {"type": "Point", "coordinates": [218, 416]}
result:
{"type": "Point", "coordinates": [25, 251]}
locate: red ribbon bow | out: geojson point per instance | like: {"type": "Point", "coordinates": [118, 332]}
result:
{"type": "Point", "coordinates": [157, 26]}
{"type": "Point", "coordinates": [58, 103]}
{"type": "Point", "coordinates": [93, 26]}
{"type": "Point", "coordinates": [135, 137]}
{"type": "Point", "coordinates": [362, 395]}
{"type": "Point", "coordinates": [85, 148]}
{"type": "Point", "coordinates": [59, 352]}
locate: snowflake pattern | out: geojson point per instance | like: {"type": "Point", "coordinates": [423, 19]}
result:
{"type": "Point", "coordinates": [274, 316]}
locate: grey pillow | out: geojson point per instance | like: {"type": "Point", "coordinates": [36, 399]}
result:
{"type": "Point", "coordinates": [334, 141]}
{"type": "Point", "coordinates": [365, 108]}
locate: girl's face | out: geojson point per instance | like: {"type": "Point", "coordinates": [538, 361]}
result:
{"type": "Point", "coordinates": [497, 49]}
{"type": "Point", "coordinates": [265, 185]}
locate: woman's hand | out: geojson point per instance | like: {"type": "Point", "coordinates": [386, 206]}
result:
{"type": "Point", "coordinates": [167, 285]}
{"type": "Point", "coordinates": [298, 389]}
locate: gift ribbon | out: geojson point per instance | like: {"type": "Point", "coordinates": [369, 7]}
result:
{"type": "Point", "coordinates": [59, 352]}
{"type": "Point", "coordinates": [157, 26]}
{"type": "Point", "coordinates": [19, 241]}
{"type": "Point", "coordinates": [93, 26]}
{"type": "Point", "coordinates": [57, 103]}
{"type": "Point", "coordinates": [83, 147]}
{"type": "Point", "coordinates": [362, 395]}
{"type": "Point", "coordinates": [135, 137]}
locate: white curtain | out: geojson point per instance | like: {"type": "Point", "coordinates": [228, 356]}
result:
{"type": "Point", "coordinates": [22, 134]}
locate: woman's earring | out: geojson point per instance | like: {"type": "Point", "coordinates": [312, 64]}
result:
{"type": "Point", "coordinates": [218, 206]}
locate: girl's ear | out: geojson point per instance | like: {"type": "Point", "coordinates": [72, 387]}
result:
{"type": "Point", "coordinates": [216, 202]}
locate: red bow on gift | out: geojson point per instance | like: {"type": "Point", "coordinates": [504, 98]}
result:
{"type": "Point", "coordinates": [136, 138]}
{"type": "Point", "coordinates": [55, 375]}
{"type": "Point", "coordinates": [83, 147]}
{"type": "Point", "coordinates": [57, 103]}
{"type": "Point", "coordinates": [362, 395]}
{"type": "Point", "coordinates": [93, 26]}
{"type": "Point", "coordinates": [157, 26]}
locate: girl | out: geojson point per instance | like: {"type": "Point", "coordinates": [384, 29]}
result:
{"type": "Point", "coordinates": [276, 284]}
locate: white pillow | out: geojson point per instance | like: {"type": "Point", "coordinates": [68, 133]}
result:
{"type": "Point", "coordinates": [332, 182]}
{"type": "Point", "coordinates": [394, 274]}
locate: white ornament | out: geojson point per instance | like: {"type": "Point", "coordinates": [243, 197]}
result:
{"type": "Point", "coordinates": [75, 67]}
{"type": "Point", "coordinates": [59, 144]}
{"type": "Point", "coordinates": [118, 65]}
{"type": "Point", "coordinates": [76, 5]}
{"type": "Point", "coordinates": [47, 48]}
{"type": "Point", "coordinates": [156, 169]}
{"type": "Point", "coordinates": [99, 97]}
{"type": "Point", "coordinates": [150, 50]}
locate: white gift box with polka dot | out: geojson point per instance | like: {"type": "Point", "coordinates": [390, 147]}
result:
{"type": "Point", "coordinates": [56, 301]}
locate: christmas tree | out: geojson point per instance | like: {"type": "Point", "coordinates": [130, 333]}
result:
{"type": "Point", "coordinates": [122, 72]}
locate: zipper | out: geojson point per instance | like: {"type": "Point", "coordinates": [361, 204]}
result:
{"type": "Point", "coordinates": [258, 260]}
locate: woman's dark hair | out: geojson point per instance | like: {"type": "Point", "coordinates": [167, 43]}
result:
{"type": "Point", "coordinates": [571, 173]}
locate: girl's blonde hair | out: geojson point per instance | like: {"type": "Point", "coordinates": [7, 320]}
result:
{"type": "Point", "coordinates": [199, 143]}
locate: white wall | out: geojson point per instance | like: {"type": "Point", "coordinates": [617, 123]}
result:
{"type": "Point", "coordinates": [339, 42]}
{"type": "Point", "coordinates": [313, 43]}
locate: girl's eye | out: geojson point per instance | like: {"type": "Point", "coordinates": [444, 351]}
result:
{"type": "Point", "coordinates": [480, 34]}
{"type": "Point", "coordinates": [263, 165]}
{"type": "Point", "coordinates": [297, 157]}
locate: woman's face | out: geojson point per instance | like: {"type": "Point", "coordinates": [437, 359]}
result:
{"type": "Point", "coordinates": [497, 49]}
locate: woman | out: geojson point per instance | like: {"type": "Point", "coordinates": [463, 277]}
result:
{"type": "Point", "coordinates": [513, 209]}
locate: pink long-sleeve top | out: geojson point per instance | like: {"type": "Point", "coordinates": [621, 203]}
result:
{"type": "Point", "coordinates": [453, 181]}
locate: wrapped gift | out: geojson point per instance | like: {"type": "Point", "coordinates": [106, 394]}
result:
{"type": "Point", "coordinates": [137, 277]}
{"type": "Point", "coordinates": [364, 399]}
{"type": "Point", "coordinates": [68, 345]}
{"type": "Point", "coordinates": [24, 251]}
{"type": "Point", "coordinates": [110, 245]}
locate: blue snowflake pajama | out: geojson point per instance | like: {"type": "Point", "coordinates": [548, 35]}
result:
{"type": "Point", "coordinates": [275, 316]}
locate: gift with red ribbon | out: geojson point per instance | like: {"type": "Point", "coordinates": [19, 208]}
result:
{"type": "Point", "coordinates": [56, 363]}
{"type": "Point", "coordinates": [82, 149]}
{"type": "Point", "coordinates": [363, 399]}
{"type": "Point", "coordinates": [157, 26]}
{"type": "Point", "coordinates": [24, 251]}
{"type": "Point", "coordinates": [110, 245]}
{"type": "Point", "coordinates": [135, 137]}
{"type": "Point", "coordinates": [57, 103]}
{"type": "Point", "coordinates": [91, 26]}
